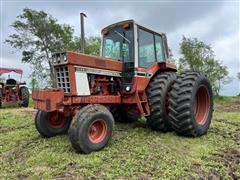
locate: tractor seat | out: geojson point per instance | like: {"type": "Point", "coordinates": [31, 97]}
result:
{"type": "Point", "coordinates": [11, 82]}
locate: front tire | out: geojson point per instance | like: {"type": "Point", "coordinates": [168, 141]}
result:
{"type": "Point", "coordinates": [191, 104]}
{"type": "Point", "coordinates": [25, 96]}
{"type": "Point", "coordinates": [158, 98]}
{"type": "Point", "coordinates": [91, 129]}
{"type": "Point", "coordinates": [50, 124]}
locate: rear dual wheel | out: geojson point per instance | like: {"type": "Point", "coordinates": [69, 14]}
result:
{"type": "Point", "coordinates": [183, 103]}
{"type": "Point", "coordinates": [158, 98]}
{"type": "Point", "coordinates": [191, 104]}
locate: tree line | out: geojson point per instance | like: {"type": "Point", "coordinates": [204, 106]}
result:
{"type": "Point", "coordinates": [38, 35]}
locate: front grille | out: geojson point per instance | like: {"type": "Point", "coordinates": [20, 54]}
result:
{"type": "Point", "coordinates": [63, 80]}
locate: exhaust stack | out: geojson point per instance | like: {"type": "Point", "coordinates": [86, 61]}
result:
{"type": "Point", "coordinates": [82, 45]}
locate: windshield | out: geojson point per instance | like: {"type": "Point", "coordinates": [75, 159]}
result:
{"type": "Point", "coordinates": [118, 44]}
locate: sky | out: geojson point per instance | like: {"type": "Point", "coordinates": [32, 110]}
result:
{"type": "Point", "coordinates": [217, 23]}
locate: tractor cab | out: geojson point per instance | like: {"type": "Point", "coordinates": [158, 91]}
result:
{"type": "Point", "coordinates": [135, 46]}
{"type": "Point", "coordinates": [128, 41]}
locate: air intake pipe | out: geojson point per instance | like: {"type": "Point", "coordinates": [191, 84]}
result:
{"type": "Point", "coordinates": [82, 45]}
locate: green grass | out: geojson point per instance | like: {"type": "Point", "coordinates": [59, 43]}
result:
{"type": "Point", "coordinates": [224, 100]}
{"type": "Point", "coordinates": [135, 151]}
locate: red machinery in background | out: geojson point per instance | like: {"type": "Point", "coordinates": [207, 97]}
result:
{"type": "Point", "coordinates": [13, 91]}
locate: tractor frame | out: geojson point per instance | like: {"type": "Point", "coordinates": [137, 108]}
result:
{"type": "Point", "coordinates": [132, 77]}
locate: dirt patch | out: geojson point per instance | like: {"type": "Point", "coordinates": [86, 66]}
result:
{"type": "Point", "coordinates": [22, 176]}
{"type": "Point", "coordinates": [143, 176]}
{"type": "Point", "coordinates": [9, 129]}
{"type": "Point", "coordinates": [68, 175]}
{"type": "Point", "coordinates": [232, 107]}
{"type": "Point", "coordinates": [40, 169]}
{"type": "Point", "coordinates": [18, 111]}
{"type": "Point", "coordinates": [70, 172]}
{"type": "Point", "coordinates": [232, 135]}
{"type": "Point", "coordinates": [229, 158]}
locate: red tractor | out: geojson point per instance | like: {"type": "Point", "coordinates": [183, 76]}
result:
{"type": "Point", "coordinates": [12, 91]}
{"type": "Point", "coordinates": [131, 78]}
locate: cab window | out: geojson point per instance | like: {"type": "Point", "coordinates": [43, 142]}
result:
{"type": "Point", "coordinates": [118, 44]}
{"type": "Point", "coordinates": [146, 48]}
{"type": "Point", "coordinates": [159, 48]}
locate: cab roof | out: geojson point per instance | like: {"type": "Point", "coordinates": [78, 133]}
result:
{"type": "Point", "coordinates": [128, 21]}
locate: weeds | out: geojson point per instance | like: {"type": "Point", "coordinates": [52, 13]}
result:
{"type": "Point", "coordinates": [135, 151]}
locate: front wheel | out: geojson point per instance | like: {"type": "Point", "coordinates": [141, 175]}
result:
{"type": "Point", "coordinates": [25, 96]}
{"type": "Point", "coordinates": [50, 124]}
{"type": "Point", "coordinates": [191, 104]}
{"type": "Point", "coordinates": [91, 129]}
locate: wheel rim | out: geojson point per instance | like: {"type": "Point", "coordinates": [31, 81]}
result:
{"type": "Point", "coordinates": [97, 131]}
{"type": "Point", "coordinates": [56, 120]}
{"type": "Point", "coordinates": [201, 105]}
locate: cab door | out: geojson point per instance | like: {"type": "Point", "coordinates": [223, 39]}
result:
{"type": "Point", "coordinates": [150, 48]}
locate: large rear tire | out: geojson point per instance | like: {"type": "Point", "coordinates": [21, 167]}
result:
{"type": "Point", "coordinates": [50, 124]}
{"type": "Point", "coordinates": [91, 129]}
{"type": "Point", "coordinates": [158, 98]}
{"type": "Point", "coordinates": [25, 96]}
{"type": "Point", "coordinates": [191, 104]}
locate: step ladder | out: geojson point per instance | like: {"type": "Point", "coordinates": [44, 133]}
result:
{"type": "Point", "coordinates": [142, 103]}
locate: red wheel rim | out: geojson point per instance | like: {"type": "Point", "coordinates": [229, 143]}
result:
{"type": "Point", "coordinates": [56, 120]}
{"type": "Point", "coordinates": [201, 105]}
{"type": "Point", "coordinates": [97, 131]}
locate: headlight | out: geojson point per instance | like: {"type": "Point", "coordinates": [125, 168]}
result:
{"type": "Point", "coordinates": [64, 57]}
{"type": "Point", "coordinates": [59, 58]}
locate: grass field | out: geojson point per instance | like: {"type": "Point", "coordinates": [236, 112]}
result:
{"type": "Point", "coordinates": [135, 151]}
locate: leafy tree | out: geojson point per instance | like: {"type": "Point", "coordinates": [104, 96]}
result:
{"type": "Point", "coordinates": [34, 83]}
{"type": "Point", "coordinates": [92, 45]}
{"type": "Point", "coordinates": [171, 58]}
{"type": "Point", "coordinates": [38, 35]}
{"type": "Point", "coordinates": [198, 56]}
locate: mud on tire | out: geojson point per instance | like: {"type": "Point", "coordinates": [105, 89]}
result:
{"type": "Point", "coordinates": [91, 128]}
{"type": "Point", "coordinates": [158, 96]}
{"type": "Point", "coordinates": [191, 104]}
